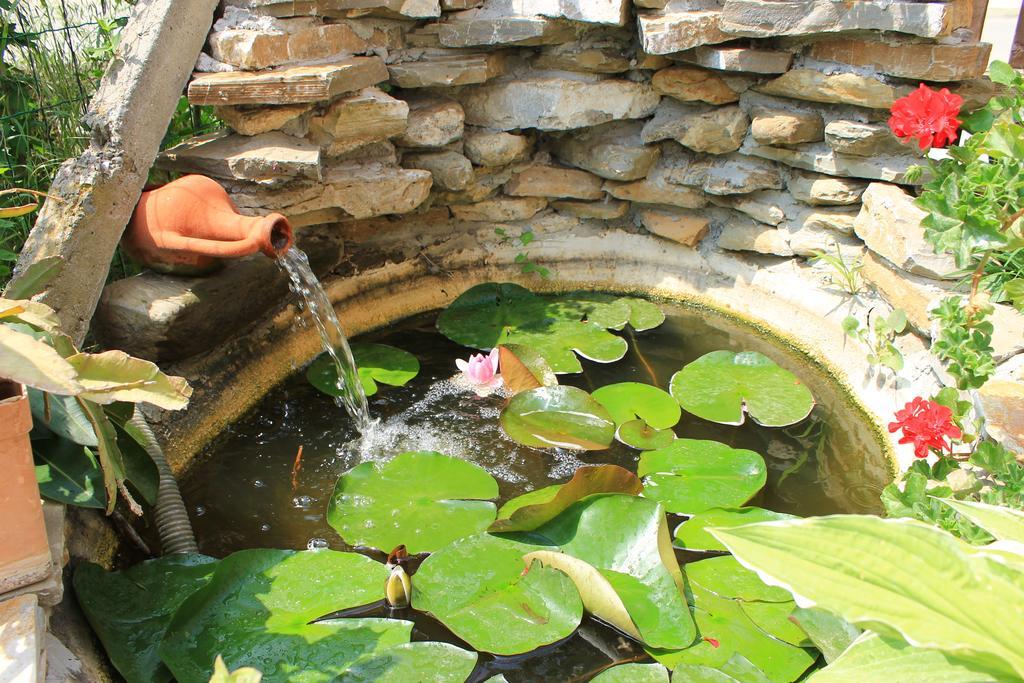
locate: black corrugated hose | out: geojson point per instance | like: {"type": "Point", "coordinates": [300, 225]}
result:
{"type": "Point", "coordinates": [172, 522]}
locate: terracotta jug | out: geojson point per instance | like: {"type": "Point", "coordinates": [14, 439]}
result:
{"type": "Point", "coordinates": [24, 551]}
{"type": "Point", "coordinates": [189, 225]}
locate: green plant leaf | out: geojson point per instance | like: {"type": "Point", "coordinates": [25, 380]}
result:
{"type": "Point", "coordinates": [873, 657]}
{"type": "Point", "coordinates": [107, 451]}
{"type": "Point", "coordinates": [723, 386]}
{"type": "Point", "coordinates": [693, 475]}
{"type": "Point", "coordinates": [893, 574]}
{"type": "Point", "coordinates": [129, 610]}
{"type": "Point", "coordinates": [481, 588]}
{"type": "Point", "coordinates": [530, 510]}
{"type": "Point", "coordinates": [829, 633]}
{"type": "Point", "coordinates": [68, 473]}
{"type": "Point", "coordinates": [558, 417]}
{"type": "Point", "coordinates": [492, 314]}
{"type": "Point", "coordinates": [693, 535]}
{"type": "Point", "coordinates": [633, 673]}
{"type": "Point", "coordinates": [630, 577]}
{"type": "Point", "coordinates": [26, 360]}
{"type": "Point", "coordinates": [115, 376]}
{"type": "Point", "coordinates": [66, 418]}
{"type": "Point", "coordinates": [632, 402]}
{"type": "Point", "coordinates": [261, 607]}
{"type": "Point", "coordinates": [376, 363]}
{"type": "Point", "coordinates": [420, 661]}
{"type": "Point", "coordinates": [421, 499]}
{"type": "Point", "coordinates": [1005, 524]}
{"type": "Point", "coordinates": [35, 278]}
{"type": "Point", "coordinates": [1002, 73]}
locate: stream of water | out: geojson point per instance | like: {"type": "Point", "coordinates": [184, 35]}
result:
{"type": "Point", "coordinates": [304, 283]}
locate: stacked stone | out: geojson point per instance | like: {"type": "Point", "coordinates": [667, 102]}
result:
{"type": "Point", "coordinates": [739, 125]}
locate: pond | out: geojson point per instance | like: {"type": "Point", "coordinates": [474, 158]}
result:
{"type": "Point", "coordinates": [267, 481]}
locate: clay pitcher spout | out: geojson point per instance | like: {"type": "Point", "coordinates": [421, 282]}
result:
{"type": "Point", "coordinates": [190, 225]}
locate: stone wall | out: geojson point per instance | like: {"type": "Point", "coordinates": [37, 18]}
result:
{"type": "Point", "coordinates": [754, 130]}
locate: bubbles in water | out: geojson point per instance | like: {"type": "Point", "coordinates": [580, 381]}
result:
{"type": "Point", "coordinates": [317, 544]}
{"type": "Point", "coordinates": [200, 511]}
{"type": "Point", "coordinates": [264, 527]}
{"type": "Point", "coordinates": [259, 483]}
{"type": "Point", "coordinates": [303, 502]}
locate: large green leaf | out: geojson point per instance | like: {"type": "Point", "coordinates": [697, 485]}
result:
{"type": "Point", "coordinates": [829, 633]}
{"type": "Point", "coordinates": [617, 550]}
{"type": "Point", "coordinates": [873, 657]}
{"type": "Point", "coordinates": [115, 376]}
{"type": "Point", "coordinates": [376, 363]}
{"type": "Point", "coordinates": [1005, 524]}
{"type": "Point", "coordinates": [736, 669]}
{"type": "Point", "coordinates": [63, 416]}
{"type": "Point", "coordinates": [723, 386]}
{"type": "Point", "coordinates": [530, 510]}
{"type": "Point", "coordinates": [68, 473]}
{"type": "Point", "coordinates": [693, 533]}
{"type": "Point", "coordinates": [690, 476]}
{"type": "Point", "coordinates": [29, 361]}
{"type": "Point", "coordinates": [129, 610]}
{"type": "Point", "coordinates": [643, 414]}
{"type": "Point", "coordinates": [729, 638]}
{"type": "Point", "coordinates": [896, 576]}
{"type": "Point", "coordinates": [491, 314]}
{"type": "Point", "coordinates": [422, 499]}
{"type": "Point", "coordinates": [558, 417]}
{"type": "Point", "coordinates": [481, 588]}
{"type": "Point", "coordinates": [260, 609]}
{"type": "Point", "coordinates": [522, 368]}
{"type": "Point", "coordinates": [421, 661]}
{"type": "Point", "coordinates": [633, 673]}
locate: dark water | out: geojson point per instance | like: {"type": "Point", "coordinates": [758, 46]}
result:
{"type": "Point", "coordinates": [249, 489]}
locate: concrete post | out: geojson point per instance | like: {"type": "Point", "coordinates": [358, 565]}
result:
{"type": "Point", "coordinates": [94, 195]}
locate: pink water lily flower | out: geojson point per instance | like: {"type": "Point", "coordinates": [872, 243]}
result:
{"type": "Point", "coordinates": [480, 372]}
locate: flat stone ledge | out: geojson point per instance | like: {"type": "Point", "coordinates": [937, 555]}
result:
{"type": "Point", "coordinates": [22, 635]}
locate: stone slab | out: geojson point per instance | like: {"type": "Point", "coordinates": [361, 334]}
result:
{"type": "Point", "coordinates": [416, 9]}
{"type": "Point", "coordinates": [823, 159]}
{"type": "Point", "coordinates": [675, 28]}
{"type": "Point", "coordinates": [837, 88]}
{"type": "Point", "coordinates": [738, 58]}
{"type": "Point", "coordinates": [491, 25]}
{"type": "Point", "coordinates": [864, 139]}
{"type": "Point", "coordinates": [760, 19]}
{"type": "Point", "coordinates": [449, 170]}
{"type": "Point", "coordinates": [553, 181]}
{"type": "Point", "coordinates": [656, 189]}
{"type": "Point", "coordinates": [607, 57]}
{"type": "Point", "coordinates": [723, 175]}
{"type": "Point", "coordinates": [556, 103]}
{"type": "Point", "coordinates": [695, 84]}
{"type": "Point", "coordinates": [164, 318]}
{"type": "Point", "coordinates": [783, 127]}
{"type": "Point", "coordinates": [607, 209]}
{"type": "Point", "coordinates": [261, 119]}
{"type": "Point", "coordinates": [1002, 402]}
{"type": "Point", "coordinates": [906, 59]}
{"type": "Point", "coordinates": [287, 86]}
{"type": "Point", "coordinates": [50, 590]}
{"type": "Point", "coordinates": [494, 147]}
{"type": "Point", "coordinates": [355, 120]}
{"type": "Point", "coordinates": [500, 209]}
{"type": "Point", "coordinates": [823, 190]}
{"type": "Point", "coordinates": [715, 130]}
{"type": "Point", "coordinates": [743, 234]}
{"type": "Point", "coordinates": [683, 227]}
{"type": "Point", "coordinates": [266, 157]}
{"type": "Point", "coordinates": [22, 635]}
{"type": "Point", "coordinates": [614, 150]}
{"type": "Point", "coordinates": [433, 122]}
{"type": "Point", "coordinates": [431, 70]}
{"type": "Point", "coordinates": [890, 225]}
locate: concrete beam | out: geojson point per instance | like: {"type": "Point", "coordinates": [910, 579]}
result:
{"type": "Point", "coordinates": [94, 195]}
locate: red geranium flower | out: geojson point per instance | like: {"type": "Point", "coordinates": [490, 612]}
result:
{"type": "Point", "coordinates": [926, 424]}
{"type": "Point", "coordinates": [928, 116]}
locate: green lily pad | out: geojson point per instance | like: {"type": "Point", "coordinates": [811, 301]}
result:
{"type": "Point", "coordinates": [68, 473]}
{"type": "Point", "coordinates": [643, 414]}
{"type": "Point", "coordinates": [616, 548]}
{"type": "Point", "coordinates": [260, 610]}
{"type": "Point", "coordinates": [481, 588]}
{"type": "Point", "coordinates": [558, 417]}
{"type": "Point", "coordinates": [421, 499]}
{"type": "Point", "coordinates": [376, 363]}
{"type": "Point", "coordinates": [530, 510]}
{"type": "Point", "coordinates": [736, 669]}
{"type": "Point", "coordinates": [129, 610]}
{"type": "Point", "coordinates": [523, 368]}
{"type": "Point", "coordinates": [692, 534]}
{"type": "Point", "coordinates": [492, 314]}
{"type": "Point", "coordinates": [633, 673]}
{"type": "Point", "coordinates": [723, 386]}
{"type": "Point", "coordinates": [420, 661]}
{"type": "Point", "coordinates": [726, 631]}
{"type": "Point", "coordinates": [694, 475]}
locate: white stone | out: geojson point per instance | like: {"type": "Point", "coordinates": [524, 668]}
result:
{"type": "Point", "coordinates": [264, 157]}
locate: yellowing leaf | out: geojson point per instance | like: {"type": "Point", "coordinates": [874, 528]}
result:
{"type": "Point", "coordinates": [115, 376]}
{"type": "Point", "coordinates": [26, 360]}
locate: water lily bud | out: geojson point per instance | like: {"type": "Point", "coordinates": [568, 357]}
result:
{"type": "Point", "coordinates": [398, 590]}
